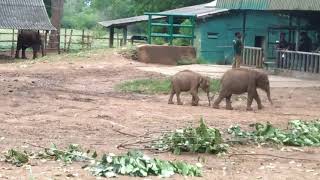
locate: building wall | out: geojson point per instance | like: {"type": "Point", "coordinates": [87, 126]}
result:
{"type": "Point", "coordinates": [215, 35]}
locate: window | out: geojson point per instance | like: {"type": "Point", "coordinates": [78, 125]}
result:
{"type": "Point", "coordinates": [212, 35]}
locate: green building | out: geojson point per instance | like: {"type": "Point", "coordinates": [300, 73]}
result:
{"type": "Point", "coordinates": [215, 29]}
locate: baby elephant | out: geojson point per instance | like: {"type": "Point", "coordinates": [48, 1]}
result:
{"type": "Point", "coordinates": [238, 81]}
{"type": "Point", "coordinates": [189, 81]}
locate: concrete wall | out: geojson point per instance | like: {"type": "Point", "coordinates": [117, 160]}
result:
{"type": "Point", "coordinates": [168, 55]}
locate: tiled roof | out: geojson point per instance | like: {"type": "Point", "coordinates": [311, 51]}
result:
{"type": "Point", "coordinates": [24, 14]}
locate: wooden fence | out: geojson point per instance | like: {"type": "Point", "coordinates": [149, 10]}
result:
{"type": "Point", "coordinates": [298, 61]}
{"type": "Point", "coordinates": [253, 56]}
{"type": "Point", "coordinates": [68, 40]}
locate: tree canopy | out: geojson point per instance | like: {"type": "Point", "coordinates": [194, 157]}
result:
{"type": "Point", "coordinates": [86, 13]}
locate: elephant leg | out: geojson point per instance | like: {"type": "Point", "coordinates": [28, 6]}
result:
{"type": "Point", "coordinates": [17, 54]}
{"type": "Point", "coordinates": [258, 100]}
{"type": "Point", "coordinates": [228, 103]}
{"type": "Point", "coordinates": [171, 97]}
{"type": "Point", "coordinates": [178, 98]}
{"type": "Point", "coordinates": [34, 54]}
{"type": "Point", "coordinates": [24, 53]}
{"type": "Point", "coordinates": [18, 50]}
{"type": "Point", "coordinates": [218, 100]}
{"type": "Point", "coordinates": [249, 101]}
{"type": "Point", "coordinates": [195, 98]}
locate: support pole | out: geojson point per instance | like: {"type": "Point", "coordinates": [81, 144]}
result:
{"type": "Point", "coordinates": [244, 22]}
{"type": "Point", "coordinates": [12, 45]}
{"type": "Point", "coordinates": [125, 34]}
{"type": "Point", "coordinates": [298, 34]}
{"type": "Point", "coordinates": [111, 37]}
{"type": "Point", "coordinates": [149, 28]}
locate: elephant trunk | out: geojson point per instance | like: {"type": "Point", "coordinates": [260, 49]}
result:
{"type": "Point", "coordinates": [269, 96]}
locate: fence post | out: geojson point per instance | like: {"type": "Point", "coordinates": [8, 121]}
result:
{"type": "Point", "coordinates": [12, 44]}
{"type": "Point", "coordinates": [88, 40]}
{"type": "Point", "coordinates": [58, 34]}
{"type": "Point", "coordinates": [65, 40]}
{"type": "Point", "coordinates": [70, 38]}
{"type": "Point", "coordinates": [82, 39]}
{"type": "Point", "coordinates": [45, 42]}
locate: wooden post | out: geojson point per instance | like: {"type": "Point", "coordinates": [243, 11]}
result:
{"type": "Point", "coordinates": [111, 37]}
{"type": "Point", "coordinates": [45, 42]}
{"type": "Point", "coordinates": [58, 34]}
{"type": "Point", "coordinates": [118, 39]}
{"type": "Point", "coordinates": [125, 34]}
{"type": "Point", "coordinates": [82, 39]}
{"type": "Point", "coordinates": [12, 45]}
{"type": "Point", "coordinates": [65, 40]}
{"type": "Point", "coordinates": [70, 38]}
{"type": "Point", "coordinates": [88, 40]}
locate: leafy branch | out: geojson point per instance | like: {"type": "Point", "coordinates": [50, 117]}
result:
{"type": "Point", "coordinates": [298, 133]}
{"type": "Point", "coordinates": [202, 139]}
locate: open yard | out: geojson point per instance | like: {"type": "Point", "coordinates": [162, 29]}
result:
{"type": "Point", "coordinates": [72, 99]}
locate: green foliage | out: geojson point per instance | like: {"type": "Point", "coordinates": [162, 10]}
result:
{"type": "Point", "coordinates": [135, 163]}
{"type": "Point", "coordinates": [202, 139]}
{"type": "Point", "coordinates": [86, 13]}
{"type": "Point", "coordinates": [201, 61]}
{"type": "Point", "coordinates": [47, 3]}
{"type": "Point", "coordinates": [158, 41]}
{"type": "Point", "coordinates": [141, 6]}
{"type": "Point", "coordinates": [77, 14]}
{"type": "Point", "coordinates": [71, 154]}
{"type": "Point", "coordinates": [214, 85]}
{"type": "Point", "coordinates": [146, 86]}
{"type": "Point", "coordinates": [16, 157]}
{"type": "Point", "coordinates": [299, 133]}
{"type": "Point", "coordinates": [184, 31]}
{"type": "Point", "coordinates": [155, 86]}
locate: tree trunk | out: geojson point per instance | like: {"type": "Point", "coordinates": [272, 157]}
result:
{"type": "Point", "coordinates": [57, 12]}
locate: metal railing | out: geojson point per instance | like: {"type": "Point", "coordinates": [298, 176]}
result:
{"type": "Point", "coordinates": [298, 61]}
{"type": "Point", "coordinates": [170, 35]}
{"type": "Point", "coordinates": [253, 56]}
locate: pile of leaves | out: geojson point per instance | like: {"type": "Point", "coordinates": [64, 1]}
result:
{"type": "Point", "coordinates": [202, 139]}
{"type": "Point", "coordinates": [135, 163]}
{"type": "Point", "coordinates": [16, 158]}
{"type": "Point", "coordinates": [298, 133]}
{"type": "Point", "coordinates": [73, 153]}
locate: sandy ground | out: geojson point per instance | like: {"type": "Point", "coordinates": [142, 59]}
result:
{"type": "Point", "coordinates": [71, 99]}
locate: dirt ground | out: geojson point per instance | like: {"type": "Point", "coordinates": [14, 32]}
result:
{"type": "Point", "coordinates": [71, 99]}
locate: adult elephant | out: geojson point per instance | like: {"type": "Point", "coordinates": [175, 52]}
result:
{"type": "Point", "coordinates": [29, 38]}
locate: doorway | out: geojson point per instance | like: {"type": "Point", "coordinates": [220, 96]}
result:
{"type": "Point", "coordinates": [259, 41]}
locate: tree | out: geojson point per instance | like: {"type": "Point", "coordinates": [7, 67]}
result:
{"type": "Point", "coordinates": [57, 12]}
{"type": "Point", "coordinates": [47, 3]}
{"type": "Point", "coordinates": [141, 6]}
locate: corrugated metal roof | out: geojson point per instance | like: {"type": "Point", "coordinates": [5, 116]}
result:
{"type": "Point", "coordinates": [24, 14]}
{"type": "Point", "coordinates": [285, 5]}
{"type": "Point", "coordinates": [125, 21]}
{"type": "Point", "coordinates": [198, 10]}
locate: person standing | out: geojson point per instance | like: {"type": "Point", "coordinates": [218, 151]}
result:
{"type": "Point", "coordinates": [305, 43]}
{"type": "Point", "coordinates": [238, 49]}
